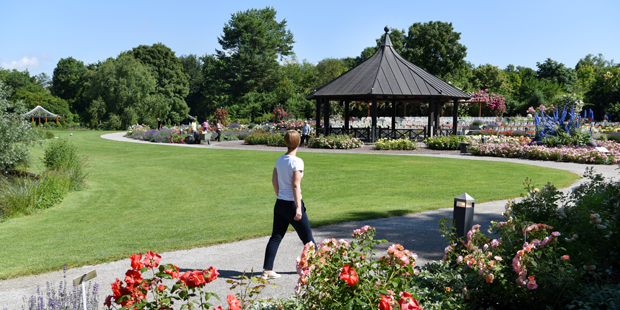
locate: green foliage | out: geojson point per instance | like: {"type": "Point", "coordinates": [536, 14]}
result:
{"type": "Point", "coordinates": [398, 144]}
{"type": "Point", "coordinates": [172, 84]}
{"type": "Point", "coordinates": [62, 156]}
{"type": "Point", "coordinates": [586, 218]}
{"type": "Point", "coordinates": [120, 92]}
{"type": "Point", "coordinates": [605, 91]}
{"type": "Point", "coordinates": [589, 297]}
{"type": "Point", "coordinates": [266, 138]}
{"type": "Point", "coordinates": [68, 82]}
{"type": "Point", "coordinates": [329, 69]}
{"type": "Point", "coordinates": [492, 78]}
{"type": "Point", "coordinates": [252, 41]}
{"type": "Point", "coordinates": [555, 72]}
{"type": "Point", "coordinates": [15, 136]}
{"type": "Point", "coordinates": [342, 275]}
{"type": "Point", "coordinates": [435, 47]}
{"type": "Point", "coordinates": [335, 142]}
{"type": "Point", "coordinates": [34, 94]}
{"type": "Point", "coordinates": [445, 142]}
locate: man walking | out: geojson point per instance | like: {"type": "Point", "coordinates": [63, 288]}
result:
{"type": "Point", "coordinates": [305, 133]}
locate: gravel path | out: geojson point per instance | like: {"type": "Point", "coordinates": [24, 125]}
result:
{"type": "Point", "coordinates": [418, 232]}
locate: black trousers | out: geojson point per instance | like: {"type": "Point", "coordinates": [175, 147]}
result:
{"type": "Point", "coordinates": [219, 135]}
{"type": "Point", "coordinates": [283, 215]}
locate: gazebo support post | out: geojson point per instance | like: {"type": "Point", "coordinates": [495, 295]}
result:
{"type": "Point", "coordinates": [431, 118]}
{"type": "Point", "coordinates": [374, 120]}
{"type": "Point", "coordinates": [318, 116]}
{"type": "Point", "coordinates": [393, 119]}
{"type": "Point", "coordinates": [455, 116]}
{"type": "Point", "coordinates": [326, 117]}
{"type": "Point", "coordinates": [437, 128]}
{"type": "Point", "coordinates": [346, 117]}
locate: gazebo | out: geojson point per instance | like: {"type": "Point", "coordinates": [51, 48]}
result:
{"type": "Point", "coordinates": [387, 77]}
{"type": "Point", "coordinates": [41, 113]}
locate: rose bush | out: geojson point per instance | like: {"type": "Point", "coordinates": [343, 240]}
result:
{"type": "Point", "coordinates": [140, 292]}
{"type": "Point", "coordinates": [338, 274]}
{"type": "Point", "coordinates": [335, 142]}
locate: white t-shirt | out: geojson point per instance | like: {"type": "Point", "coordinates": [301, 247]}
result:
{"type": "Point", "coordinates": [285, 166]}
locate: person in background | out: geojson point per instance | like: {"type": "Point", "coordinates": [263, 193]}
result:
{"type": "Point", "coordinates": [205, 126]}
{"type": "Point", "coordinates": [289, 207]}
{"type": "Point", "coordinates": [158, 124]}
{"type": "Point", "coordinates": [606, 118]}
{"type": "Point", "coordinates": [218, 130]}
{"type": "Point", "coordinates": [305, 133]}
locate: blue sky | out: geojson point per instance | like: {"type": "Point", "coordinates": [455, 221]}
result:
{"type": "Point", "coordinates": [37, 34]}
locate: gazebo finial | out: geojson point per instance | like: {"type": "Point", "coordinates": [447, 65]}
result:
{"type": "Point", "coordinates": [387, 29]}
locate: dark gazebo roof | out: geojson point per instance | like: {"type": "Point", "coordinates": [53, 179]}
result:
{"type": "Point", "coordinates": [388, 74]}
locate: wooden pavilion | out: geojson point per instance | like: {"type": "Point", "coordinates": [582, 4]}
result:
{"type": "Point", "coordinates": [387, 77]}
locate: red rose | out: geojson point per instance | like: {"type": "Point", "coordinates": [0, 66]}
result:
{"type": "Point", "coordinates": [384, 303]}
{"type": "Point", "coordinates": [349, 275]}
{"type": "Point", "coordinates": [116, 288]}
{"type": "Point", "coordinates": [211, 274]}
{"type": "Point", "coordinates": [108, 301]}
{"type": "Point", "coordinates": [407, 302]}
{"type": "Point", "coordinates": [173, 273]}
{"type": "Point", "coordinates": [161, 287]}
{"type": "Point", "coordinates": [193, 278]}
{"type": "Point", "coordinates": [133, 277]}
{"type": "Point", "coordinates": [151, 260]}
{"type": "Point", "coordinates": [136, 263]}
{"type": "Point", "coordinates": [233, 302]}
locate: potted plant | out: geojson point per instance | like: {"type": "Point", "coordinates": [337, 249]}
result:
{"type": "Point", "coordinates": [476, 125]}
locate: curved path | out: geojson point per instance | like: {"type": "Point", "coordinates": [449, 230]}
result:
{"type": "Point", "coordinates": [418, 232]}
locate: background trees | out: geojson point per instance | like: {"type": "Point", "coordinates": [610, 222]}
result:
{"type": "Point", "coordinates": [256, 69]}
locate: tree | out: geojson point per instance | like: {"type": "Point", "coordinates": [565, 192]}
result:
{"type": "Point", "coordinates": [16, 136]}
{"type": "Point", "coordinates": [121, 92]}
{"type": "Point", "coordinates": [68, 82]}
{"type": "Point", "coordinates": [555, 72]}
{"type": "Point", "coordinates": [34, 94]}
{"type": "Point", "coordinates": [16, 79]}
{"type": "Point", "coordinates": [597, 62]}
{"type": "Point", "coordinates": [435, 47]}
{"type": "Point", "coordinates": [251, 44]}
{"type": "Point", "coordinates": [397, 37]}
{"type": "Point", "coordinates": [605, 92]}
{"type": "Point", "coordinates": [172, 82]}
{"type": "Point", "coordinates": [328, 69]}
{"type": "Point", "coordinates": [192, 67]}
{"type": "Point", "coordinates": [491, 77]}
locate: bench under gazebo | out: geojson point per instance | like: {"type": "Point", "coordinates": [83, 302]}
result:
{"type": "Point", "coordinates": [42, 115]}
{"type": "Point", "coordinates": [386, 77]}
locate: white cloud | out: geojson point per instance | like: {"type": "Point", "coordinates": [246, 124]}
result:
{"type": "Point", "coordinates": [30, 63]}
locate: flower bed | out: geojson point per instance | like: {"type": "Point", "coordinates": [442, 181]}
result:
{"type": "Point", "coordinates": [446, 142]}
{"type": "Point", "coordinates": [399, 144]}
{"type": "Point", "coordinates": [578, 154]}
{"type": "Point", "coordinates": [264, 137]}
{"type": "Point", "coordinates": [335, 142]}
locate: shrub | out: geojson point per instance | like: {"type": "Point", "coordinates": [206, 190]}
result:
{"type": "Point", "coordinates": [60, 154]}
{"type": "Point", "coordinates": [399, 144]}
{"type": "Point", "coordinates": [335, 142]}
{"type": "Point", "coordinates": [263, 137]}
{"type": "Point", "coordinates": [49, 134]}
{"type": "Point", "coordinates": [336, 274]}
{"type": "Point", "coordinates": [16, 136]}
{"type": "Point", "coordinates": [16, 196]}
{"type": "Point", "coordinates": [445, 142]}
{"type": "Point", "coordinates": [587, 218]}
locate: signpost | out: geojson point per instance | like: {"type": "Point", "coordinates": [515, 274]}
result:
{"type": "Point", "coordinates": [82, 280]}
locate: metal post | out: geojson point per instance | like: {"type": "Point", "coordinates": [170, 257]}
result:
{"type": "Point", "coordinates": [346, 117]}
{"type": "Point", "coordinates": [455, 116]}
{"type": "Point", "coordinates": [326, 117]}
{"type": "Point", "coordinates": [431, 118]}
{"type": "Point", "coordinates": [437, 128]}
{"type": "Point", "coordinates": [84, 292]}
{"type": "Point", "coordinates": [393, 119]}
{"type": "Point", "coordinates": [318, 116]}
{"type": "Point", "coordinates": [374, 120]}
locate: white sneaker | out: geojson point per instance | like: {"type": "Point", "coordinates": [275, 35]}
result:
{"type": "Point", "coordinates": [270, 275]}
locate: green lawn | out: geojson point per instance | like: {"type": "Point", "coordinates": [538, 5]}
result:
{"type": "Point", "coordinates": [144, 197]}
